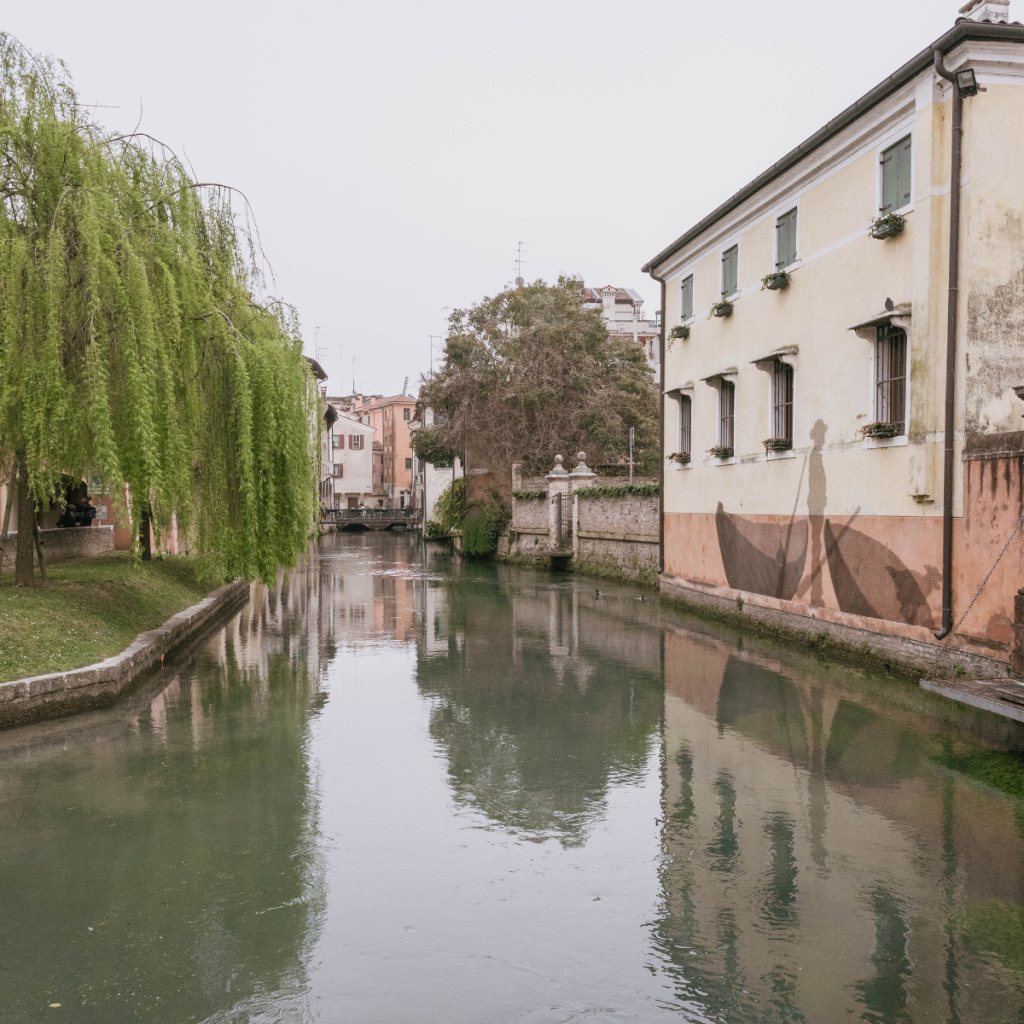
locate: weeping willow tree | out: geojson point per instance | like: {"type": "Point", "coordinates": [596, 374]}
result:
{"type": "Point", "coordinates": [132, 343]}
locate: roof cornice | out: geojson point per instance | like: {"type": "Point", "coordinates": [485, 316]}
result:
{"type": "Point", "coordinates": [962, 31]}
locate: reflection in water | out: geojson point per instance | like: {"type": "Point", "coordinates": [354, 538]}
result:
{"type": "Point", "coordinates": [398, 787]}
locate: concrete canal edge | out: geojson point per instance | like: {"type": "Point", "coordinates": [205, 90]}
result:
{"type": "Point", "coordinates": [82, 689]}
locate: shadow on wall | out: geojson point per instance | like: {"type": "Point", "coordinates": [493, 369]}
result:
{"type": "Point", "coordinates": [770, 558]}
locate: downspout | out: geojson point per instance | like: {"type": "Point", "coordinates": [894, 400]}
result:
{"type": "Point", "coordinates": [661, 428]}
{"type": "Point", "coordinates": [954, 275]}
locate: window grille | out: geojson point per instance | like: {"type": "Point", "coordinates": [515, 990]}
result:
{"type": "Point", "coordinates": [727, 415]}
{"type": "Point", "coordinates": [891, 376]}
{"type": "Point", "coordinates": [782, 400]}
{"type": "Point", "coordinates": [785, 230]}
{"type": "Point", "coordinates": [730, 271]}
{"type": "Point", "coordinates": [685, 421]}
{"type": "Point", "coordinates": [686, 298]}
{"type": "Point", "coordinates": [896, 184]}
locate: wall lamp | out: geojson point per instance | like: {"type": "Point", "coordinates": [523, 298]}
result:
{"type": "Point", "coordinates": [966, 83]}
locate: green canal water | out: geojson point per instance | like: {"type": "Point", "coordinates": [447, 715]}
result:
{"type": "Point", "coordinates": [398, 788]}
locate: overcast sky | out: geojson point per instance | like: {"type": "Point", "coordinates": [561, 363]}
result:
{"type": "Point", "coordinates": [395, 154]}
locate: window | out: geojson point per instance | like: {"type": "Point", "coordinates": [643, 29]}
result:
{"type": "Point", "coordinates": [337, 440]}
{"type": "Point", "coordinates": [355, 442]}
{"type": "Point", "coordinates": [337, 469]}
{"type": "Point", "coordinates": [727, 415]}
{"type": "Point", "coordinates": [785, 237]}
{"type": "Point", "coordinates": [686, 298]}
{"type": "Point", "coordinates": [685, 419]}
{"type": "Point", "coordinates": [730, 271]}
{"type": "Point", "coordinates": [408, 463]}
{"type": "Point", "coordinates": [896, 177]}
{"type": "Point", "coordinates": [782, 400]}
{"type": "Point", "coordinates": [401, 501]}
{"type": "Point", "coordinates": [405, 414]}
{"type": "Point", "coordinates": [891, 376]}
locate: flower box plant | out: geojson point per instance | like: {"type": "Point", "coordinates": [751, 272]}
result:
{"type": "Point", "coordinates": [721, 309]}
{"type": "Point", "coordinates": [721, 451]}
{"type": "Point", "coordinates": [777, 444]}
{"type": "Point", "coordinates": [679, 331]}
{"type": "Point", "coordinates": [775, 282]}
{"type": "Point", "coordinates": [681, 457]}
{"type": "Point", "coordinates": [888, 226]}
{"type": "Point", "coordinates": [882, 430]}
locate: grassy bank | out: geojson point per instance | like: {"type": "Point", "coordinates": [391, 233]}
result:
{"type": "Point", "coordinates": [89, 610]}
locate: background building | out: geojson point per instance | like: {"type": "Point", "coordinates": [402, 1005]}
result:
{"type": "Point", "coordinates": [622, 311]}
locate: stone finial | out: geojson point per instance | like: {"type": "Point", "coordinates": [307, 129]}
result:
{"type": "Point", "coordinates": [559, 469]}
{"type": "Point", "coordinates": [582, 469]}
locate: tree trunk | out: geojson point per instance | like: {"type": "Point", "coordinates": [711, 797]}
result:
{"type": "Point", "coordinates": [147, 550]}
{"type": "Point", "coordinates": [26, 533]}
{"type": "Point", "coordinates": [37, 536]}
{"type": "Point", "coordinates": [11, 489]}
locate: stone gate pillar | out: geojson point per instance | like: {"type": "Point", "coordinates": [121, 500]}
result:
{"type": "Point", "coordinates": [582, 476]}
{"type": "Point", "coordinates": [559, 486]}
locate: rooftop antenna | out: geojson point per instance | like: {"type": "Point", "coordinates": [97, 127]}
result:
{"type": "Point", "coordinates": [432, 337]}
{"type": "Point", "coordinates": [519, 265]}
{"type": "Point", "coordinates": [353, 375]}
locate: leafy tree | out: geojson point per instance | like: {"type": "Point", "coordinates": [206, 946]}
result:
{"type": "Point", "coordinates": [530, 373]}
{"type": "Point", "coordinates": [131, 340]}
{"type": "Point", "coordinates": [429, 445]}
{"type": "Point", "coordinates": [451, 506]}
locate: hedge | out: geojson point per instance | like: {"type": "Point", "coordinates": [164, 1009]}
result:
{"type": "Point", "coordinates": [625, 491]}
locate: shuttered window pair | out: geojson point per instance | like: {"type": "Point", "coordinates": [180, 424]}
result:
{"type": "Point", "coordinates": [785, 238]}
{"type": "Point", "coordinates": [686, 298]}
{"type": "Point", "coordinates": [896, 185]}
{"type": "Point", "coordinates": [730, 271]}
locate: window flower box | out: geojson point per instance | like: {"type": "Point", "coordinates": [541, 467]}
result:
{"type": "Point", "coordinates": [777, 444]}
{"type": "Point", "coordinates": [681, 457]}
{"type": "Point", "coordinates": [775, 282]}
{"type": "Point", "coordinates": [721, 451]}
{"type": "Point", "coordinates": [882, 430]}
{"type": "Point", "coordinates": [888, 226]}
{"type": "Point", "coordinates": [680, 331]}
{"type": "Point", "coordinates": [721, 309]}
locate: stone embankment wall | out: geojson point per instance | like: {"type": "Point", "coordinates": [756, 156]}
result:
{"type": "Point", "coordinates": [612, 533]}
{"type": "Point", "coordinates": [617, 535]}
{"type": "Point", "coordinates": [61, 693]}
{"type": "Point", "coordinates": [63, 545]}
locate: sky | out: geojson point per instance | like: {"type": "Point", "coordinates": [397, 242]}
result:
{"type": "Point", "coordinates": [395, 155]}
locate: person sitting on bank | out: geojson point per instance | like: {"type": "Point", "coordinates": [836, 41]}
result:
{"type": "Point", "coordinates": [86, 511]}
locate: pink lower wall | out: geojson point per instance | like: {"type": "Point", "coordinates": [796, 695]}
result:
{"type": "Point", "coordinates": [878, 572]}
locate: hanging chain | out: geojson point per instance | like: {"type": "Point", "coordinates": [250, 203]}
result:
{"type": "Point", "coordinates": [956, 628]}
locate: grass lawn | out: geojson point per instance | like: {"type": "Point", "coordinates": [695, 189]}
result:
{"type": "Point", "coordinates": [89, 610]}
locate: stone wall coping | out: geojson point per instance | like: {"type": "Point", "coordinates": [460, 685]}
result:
{"type": "Point", "coordinates": [59, 693]}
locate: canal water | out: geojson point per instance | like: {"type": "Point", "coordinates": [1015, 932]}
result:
{"type": "Point", "coordinates": [399, 788]}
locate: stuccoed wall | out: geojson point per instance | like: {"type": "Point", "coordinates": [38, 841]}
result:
{"type": "Point", "coordinates": [63, 545]}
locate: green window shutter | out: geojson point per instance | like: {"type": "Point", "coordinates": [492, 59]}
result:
{"type": "Point", "coordinates": [686, 310]}
{"type": "Point", "coordinates": [730, 266]}
{"type": "Point", "coordinates": [903, 182]}
{"type": "Point", "coordinates": [786, 252]}
{"type": "Point", "coordinates": [896, 184]}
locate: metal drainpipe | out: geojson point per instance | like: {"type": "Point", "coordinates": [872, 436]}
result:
{"type": "Point", "coordinates": [954, 275]}
{"type": "Point", "coordinates": [661, 430]}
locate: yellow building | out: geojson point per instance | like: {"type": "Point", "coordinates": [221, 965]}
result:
{"type": "Point", "coordinates": [805, 373]}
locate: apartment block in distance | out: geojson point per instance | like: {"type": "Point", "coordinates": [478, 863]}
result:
{"type": "Point", "coordinates": [805, 380]}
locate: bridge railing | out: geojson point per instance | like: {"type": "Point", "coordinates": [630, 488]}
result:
{"type": "Point", "coordinates": [343, 516]}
